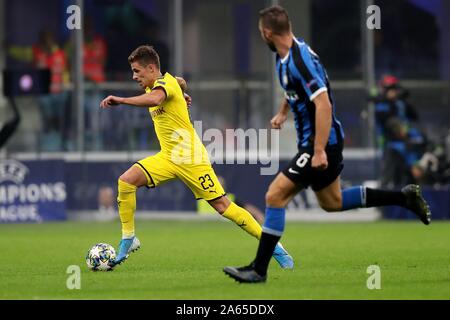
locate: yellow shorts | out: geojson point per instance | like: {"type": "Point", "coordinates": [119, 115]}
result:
{"type": "Point", "coordinates": [200, 178]}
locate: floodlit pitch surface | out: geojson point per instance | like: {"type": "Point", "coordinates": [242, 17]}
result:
{"type": "Point", "coordinates": [184, 260]}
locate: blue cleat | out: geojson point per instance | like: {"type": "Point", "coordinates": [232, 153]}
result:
{"type": "Point", "coordinates": [126, 246]}
{"type": "Point", "coordinates": [283, 258]}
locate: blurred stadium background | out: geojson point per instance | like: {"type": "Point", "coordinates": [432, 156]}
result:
{"type": "Point", "coordinates": [60, 155]}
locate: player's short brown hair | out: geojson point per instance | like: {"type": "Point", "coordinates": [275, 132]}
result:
{"type": "Point", "coordinates": [145, 55]}
{"type": "Point", "coordinates": [276, 19]}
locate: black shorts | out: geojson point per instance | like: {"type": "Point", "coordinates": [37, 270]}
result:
{"type": "Point", "coordinates": [302, 174]}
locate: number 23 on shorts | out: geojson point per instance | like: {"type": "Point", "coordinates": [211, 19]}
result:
{"type": "Point", "coordinates": [206, 181]}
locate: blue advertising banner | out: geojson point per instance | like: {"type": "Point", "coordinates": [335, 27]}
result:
{"type": "Point", "coordinates": [38, 191]}
{"type": "Point", "coordinates": [86, 181]}
{"type": "Point", "coordinates": [32, 191]}
{"type": "Point", "coordinates": [438, 200]}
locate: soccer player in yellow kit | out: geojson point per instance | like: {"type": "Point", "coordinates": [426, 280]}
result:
{"type": "Point", "coordinates": [182, 154]}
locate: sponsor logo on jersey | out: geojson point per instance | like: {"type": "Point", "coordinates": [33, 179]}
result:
{"type": "Point", "coordinates": [157, 112]}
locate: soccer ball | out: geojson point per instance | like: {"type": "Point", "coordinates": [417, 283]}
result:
{"type": "Point", "coordinates": [101, 257]}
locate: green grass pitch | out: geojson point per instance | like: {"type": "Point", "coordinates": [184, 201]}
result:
{"type": "Point", "coordinates": [184, 260]}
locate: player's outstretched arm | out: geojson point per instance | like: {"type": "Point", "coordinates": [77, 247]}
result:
{"type": "Point", "coordinates": [110, 101]}
{"type": "Point", "coordinates": [152, 99]}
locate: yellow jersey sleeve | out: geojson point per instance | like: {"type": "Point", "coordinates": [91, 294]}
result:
{"type": "Point", "coordinates": [167, 86]}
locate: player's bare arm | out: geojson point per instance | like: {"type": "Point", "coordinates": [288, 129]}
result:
{"type": "Point", "coordinates": [183, 86]}
{"type": "Point", "coordinates": [278, 120]}
{"type": "Point", "coordinates": [152, 99]}
{"type": "Point", "coordinates": [188, 100]}
{"type": "Point", "coordinates": [323, 127]}
{"type": "Point", "coordinates": [182, 83]}
{"type": "Point", "coordinates": [110, 101]}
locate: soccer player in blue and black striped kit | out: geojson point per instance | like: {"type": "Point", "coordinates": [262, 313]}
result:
{"type": "Point", "coordinates": [320, 136]}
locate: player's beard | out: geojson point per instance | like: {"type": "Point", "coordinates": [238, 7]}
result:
{"type": "Point", "coordinates": [271, 46]}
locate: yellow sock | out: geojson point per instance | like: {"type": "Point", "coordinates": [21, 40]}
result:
{"type": "Point", "coordinates": [126, 201]}
{"type": "Point", "coordinates": [243, 219]}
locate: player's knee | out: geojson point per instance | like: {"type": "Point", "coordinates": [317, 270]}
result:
{"type": "Point", "coordinates": [128, 178]}
{"type": "Point", "coordinates": [124, 177]}
{"type": "Point", "coordinates": [135, 177]}
{"type": "Point", "coordinates": [273, 199]}
{"type": "Point", "coordinates": [221, 208]}
{"type": "Point", "coordinates": [220, 205]}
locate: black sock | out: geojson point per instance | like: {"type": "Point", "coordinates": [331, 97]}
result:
{"type": "Point", "coordinates": [378, 198]}
{"type": "Point", "coordinates": [266, 246]}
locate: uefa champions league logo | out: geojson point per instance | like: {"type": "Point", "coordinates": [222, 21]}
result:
{"type": "Point", "coordinates": [25, 195]}
{"type": "Point", "coordinates": [12, 170]}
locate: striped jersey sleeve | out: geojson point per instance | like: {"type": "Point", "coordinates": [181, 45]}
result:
{"type": "Point", "coordinates": [308, 70]}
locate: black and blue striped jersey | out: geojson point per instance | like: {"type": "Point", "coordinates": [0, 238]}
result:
{"type": "Point", "coordinates": [303, 78]}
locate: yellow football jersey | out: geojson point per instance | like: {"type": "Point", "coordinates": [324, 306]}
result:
{"type": "Point", "coordinates": [176, 134]}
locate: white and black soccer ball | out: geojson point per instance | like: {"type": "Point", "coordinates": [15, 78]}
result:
{"type": "Point", "coordinates": [101, 257]}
